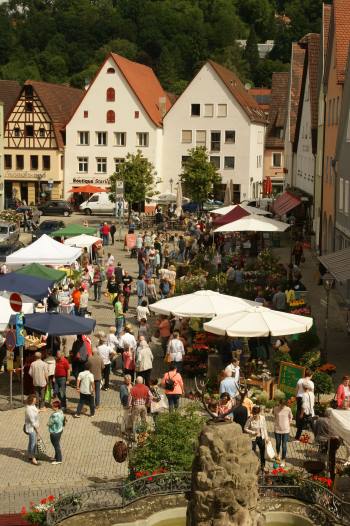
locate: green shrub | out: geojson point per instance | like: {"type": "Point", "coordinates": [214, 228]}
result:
{"type": "Point", "coordinates": [323, 384]}
{"type": "Point", "coordinates": [311, 359]}
{"type": "Point", "coordinates": [279, 395]}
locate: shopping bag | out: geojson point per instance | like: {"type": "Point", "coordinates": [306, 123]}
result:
{"type": "Point", "coordinates": [48, 394]}
{"type": "Point", "coordinates": [270, 452]}
{"type": "Point", "coordinates": [40, 446]}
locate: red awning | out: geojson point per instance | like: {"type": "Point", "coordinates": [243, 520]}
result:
{"type": "Point", "coordinates": [285, 203]}
{"type": "Point", "coordinates": [236, 213]}
{"type": "Point", "coordinates": [87, 189]}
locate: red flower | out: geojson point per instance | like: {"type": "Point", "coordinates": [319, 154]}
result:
{"type": "Point", "coordinates": [150, 479]}
{"type": "Point", "coordinates": [138, 474]}
{"type": "Point", "coordinates": [23, 510]}
{"type": "Point", "coordinates": [43, 501]}
{"type": "Point", "coordinates": [50, 498]}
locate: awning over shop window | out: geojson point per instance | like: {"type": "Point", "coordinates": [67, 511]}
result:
{"type": "Point", "coordinates": [338, 264]}
{"type": "Point", "coordinates": [285, 203]}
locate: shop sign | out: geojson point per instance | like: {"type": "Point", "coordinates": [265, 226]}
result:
{"type": "Point", "coordinates": [88, 180]}
{"type": "Point", "coordinates": [25, 175]}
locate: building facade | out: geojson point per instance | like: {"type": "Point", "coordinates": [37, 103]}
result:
{"type": "Point", "coordinates": [1, 156]}
{"type": "Point", "coordinates": [121, 113]}
{"type": "Point", "coordinates": [34, 141]}
{"type": "Point", "coordinates": [216, 111]}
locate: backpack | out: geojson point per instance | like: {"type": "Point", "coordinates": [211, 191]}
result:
{"type": "Point", "coordinates": [164, 287]}
{"type": "Point", "coordinates": [169, 383]}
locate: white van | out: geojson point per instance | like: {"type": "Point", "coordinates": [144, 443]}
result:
{"type": "Point", "coordinates": [98, 204]}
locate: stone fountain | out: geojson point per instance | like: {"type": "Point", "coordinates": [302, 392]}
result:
{"type": "Point", "coordinates": [224, 489]}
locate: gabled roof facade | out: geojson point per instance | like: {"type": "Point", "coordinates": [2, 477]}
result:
{"type": "Point", "coordinates": [278, 110]}
{"type": "Point", "coordinates": [338, 36]}
{"type": "Point", "coordinates": [296, 76]}
{"type": "Point", "coordinates": [240, 94]}
{"type": "Point", "coordinates": [9, 93]}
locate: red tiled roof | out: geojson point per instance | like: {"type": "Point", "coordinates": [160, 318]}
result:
{"type": "Point", "coordinates": [327, 11]}
{"type": "Point", "coordinates": [9, 92]}
{"type": "Point", "coordinates": [296, 76]}
{"type": "Point", "coordinates": [278, 109]}
{"type": "Point", "coordinates": [262, 97]}
{"type": "Point", "coordinates": [145, 85]}
{"type": "Point", "coordinates": [60, 103]}
{"type": "Point", "coordinates": [242, 96]}
{"type": "Point", "coordinates": [341, 21]}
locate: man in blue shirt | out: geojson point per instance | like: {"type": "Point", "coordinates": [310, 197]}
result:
{"type": "Point", "coordinates": [229, 385]}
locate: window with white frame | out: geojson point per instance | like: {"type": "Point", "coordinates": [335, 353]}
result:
{"type": "Point", "coordinates": [215, 140]}
{"type": "Point", "coordinates": [83, 165]}
{"type": "Point", "coordinates": [83, 138]}
{"type": "Point", "coordinates": [341, 193]}
{"type": "Point", "coordinates": [215, 160]}
{"type": "Point", "coordinates": [120, 138]}
{"type": "Point", "coordinates": [222, 110]}
{"type": "Point", "coordinates": [201, 138]}
{"type": "Point", "coordinates": [208, 110]}
{"type": "Point", "coordinates": [229, 163]}
{"type": "Point", "coordinates": [117, 162]}
{"type": "Point", "coordinates": [101, 138]}
{"type": "Point", "coordinates": [101, 165]}
{"type": "Point", "coordinates": [230, 136]}
{"type": "Point", "coordinates": [277, 160]}
{"type": "Point", "coordinates": [142, 139]}
{"type": "Point", "coordinates": [186, 136]}
{"type": "Point", "coordinates": [346, 197]}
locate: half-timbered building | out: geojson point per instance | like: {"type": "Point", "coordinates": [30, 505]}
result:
{"type": "Point", "coordinates": [34, 141]}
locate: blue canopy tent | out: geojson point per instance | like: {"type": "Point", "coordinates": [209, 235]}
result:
{"type": "Point", "coordinates": [36, 288]}
{"type": "Point", "coordinates": [56, 324]}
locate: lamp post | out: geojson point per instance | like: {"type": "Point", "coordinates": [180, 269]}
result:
{"type": "Point", "coordinates": [171, 181]}
{"type": "Point", "coordinates": [328, 282]}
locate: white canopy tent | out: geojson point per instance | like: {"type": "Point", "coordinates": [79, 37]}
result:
{"type": "Point", "coordinates": [251, 209]}
{"type": "Point", "coordinates": [82, 241]}
{"type": "Point", "coordinates": [258, 321]}
{"type": "Point", "coordinates": [200, 304]}
{"type": "Point", "coordinates": [46, 251]}
{"type": "Point", "coordinates": [6, 311]}
{"type": "Point", "coordinates": [254, 223]}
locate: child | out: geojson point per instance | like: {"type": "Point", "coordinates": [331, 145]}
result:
{"type": "Point", "coordinates": [144, 330]}
{"type": "Point", "coordinates": [142, 311]}
{"type": "Point", "coordinates": [158, 402]}
{"type": "Point", "coordinates": [225, 405]}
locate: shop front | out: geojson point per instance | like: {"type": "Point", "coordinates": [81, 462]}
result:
{"type": "Point", "coordinates": [30, 187]}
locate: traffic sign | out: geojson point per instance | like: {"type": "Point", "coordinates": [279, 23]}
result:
{"type": "Point", "coordinates": [10, 340]}
{"type": "Point", "coordinates": [16, 302]}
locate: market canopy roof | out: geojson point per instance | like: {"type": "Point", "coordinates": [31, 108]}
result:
{"type": "Point", "coordinates": [337, 263]}
{"type": "Point", "coordinates": [33, 287]}
{"type": "Point", "coordinates": [250, 209]}
{"type": "Point", "coordinates": [6, 312]}
{"type": "Point", "coordinates": [236, 213]}
{"type": "Point", "coordinates": [87, 189]}
{"type": "Point", "coordinates": [46, 251]}
{"type": "Point", "coordinates": [74, 230]}
{"type": "Point", "coordinates": [258, 321]}
{"type": "Point", "coordinates": [254, 223]}
{"type": "Point", "coordinates": [56, 324]}
{"type": "Point", "coordinates": [285, 202]}
{"type": "Point", "coordinates": [41, 271]}
{"type": "Point", "coordinates": [82, 241]}
{"type": "Point", "coordinates": [200, 304]}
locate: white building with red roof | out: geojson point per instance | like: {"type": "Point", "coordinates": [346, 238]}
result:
{"type": "Point", "coordinates": [121, 112]}
{"type": "Point", "coordinates": [218, 112]}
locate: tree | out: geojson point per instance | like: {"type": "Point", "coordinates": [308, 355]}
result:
{"type": "Point", "coordinates": [199, 175]}
{"type": "Point", "coordinates": [139, 177]}
{"type": "Point", "coordinates": [251, 54]}
{"type": "Point", "coordinates": [232, 58]}
{"type": "Point", "coordinates": [264, 70]}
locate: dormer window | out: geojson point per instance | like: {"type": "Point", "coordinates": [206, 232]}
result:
{"type": "Point", "coordinates": [110, 71]}
{"type": "Point", "coordinates": [110, 95]}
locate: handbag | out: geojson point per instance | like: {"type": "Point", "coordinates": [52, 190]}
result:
{"type": "Point", "coordinates": [24, 430]}
{"type": "Point", "coordinates": [167, 358]}
{"type": "Point", "coordinates": [270, 452]}
{"type": "Point", "coordinates": [48, 394]}
{"type": "Point", "coordinates": [40, 446]}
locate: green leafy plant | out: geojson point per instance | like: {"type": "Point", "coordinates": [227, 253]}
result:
{"type": "Point", "coordinates": [279, 395]}
{"type": "Point", "coordinates": [323, 384]}
{"type": "Point", "coordinates": [199, 175]}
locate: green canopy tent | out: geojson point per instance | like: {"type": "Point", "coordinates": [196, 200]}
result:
{"type": "Point", "coordinates": [74, 230]}
{"type": "Point", "coordinates": [40, 271]}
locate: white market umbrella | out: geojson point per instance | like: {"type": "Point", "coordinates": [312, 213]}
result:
{"type": "Point", "coordinates": [258, 321]}
{"type": "Point", "coordinates": [223, 210]}
{"type": "Point", "coordinates": [167, 198]}
{"type": "Point", "coordinates": [178, 210]}
{"type": "Point", "coordinates": [200, 304]}
{"type": "Point", "coordinates": [81, 241]}
{"type": "Point", "coordinates": [228, 197]}
{"type": "Point", "coordinates": [254, 223]}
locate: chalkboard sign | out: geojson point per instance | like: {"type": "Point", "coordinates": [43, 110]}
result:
{"type": "Point", "coordinates": [289, 376]}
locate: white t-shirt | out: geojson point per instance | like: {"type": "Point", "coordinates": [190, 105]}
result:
{"type": "Point", "coordinates": [300, 388]}
{"type": "Point", "coordinates": [176, 350]}
{"type": "Point", "coordinates": [142, 312]}
{"type": "Point", "coordinates": [104, 351]}
{"type": "Point", "coordinates": [86, 380]}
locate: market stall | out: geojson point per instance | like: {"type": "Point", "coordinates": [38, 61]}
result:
{"type": "Point", "coordinates": [82, 241]}
{"type": "Point", "coordinates": [46, 251]}
{"type": "Point", "coordinates": [33, 287]}
{"type": "Point", "coordinates": [250, 209]}
{"type": "Point", "coordinates": [41, 271]}
{"type": "Point", "coordinates": [74, 230]}
{"type": "Point", "coordinates": [6, 311]}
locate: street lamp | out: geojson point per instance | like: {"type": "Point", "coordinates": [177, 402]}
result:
{"type": "Point", "coordinates": [171, 180]}
{"type": "Point", "coordinates": [328, 282]}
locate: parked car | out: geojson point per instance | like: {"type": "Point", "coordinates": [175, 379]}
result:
{"type": "Point", "coordinates": [56, 208]}
{"type": "Point", "coordinates": [7, 249]}
{"type": "Point", "coordinates": [9, 232]}
{"type": "Point", "coordinates": [98, 204]}
{"type": "Point", "coordinates": [46, 227]}
{"type": "Point", "coordinates": [208, 205]}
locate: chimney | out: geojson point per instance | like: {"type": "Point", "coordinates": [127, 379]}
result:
{"type": "Point", "coordinates": [162, 106]}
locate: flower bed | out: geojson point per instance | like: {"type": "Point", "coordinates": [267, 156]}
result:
{"type": "Point", "coordinates": [37, 512]}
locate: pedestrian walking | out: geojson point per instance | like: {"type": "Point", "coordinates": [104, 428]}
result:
{"type": "Point", "coordinates": [140, 288]}
{"type": "Point", "coordinates": [55, 424]}
{"type": "Point", "coordinates": [307, 411]}
{"type": "Point", "coordinates": [79, 355]}
{"type": "Point", "coordinates": [124, 394]}
{"type": "Point", "coordinates": [127, 282]}
{"type": "Point", "coordinates": [151, 292]}
{"type": "Point", "coordinates": [173, 387]}
{"type": "Point", "coordinates": [119, 313]}
{"type": "Point", "coordinates": [176, 351]}
{"type": "Point", "coordinates": [105, 230]}
{"type": "Point", "coordinates": [299, 398]}
{"type": "Point", "coordinates": [105, 352]}
{"type": "Point", "coordinates": [85, 388]}
{"type": "Point", "coordinates": [84, 302]}
{"type": "Point", "coordinates": [97, 281]}
{"type": "Point", "coordinates": [96, 366]}
{"type": "Point", "coordinates": [112, 231]}
{"type": "Point", "coordinates": [228, 385]}
{"type": "Point", "coordinates": [298, 252]}
{"type": "Point", "coordinates": [142, 311]}
{"type": "Point", "coordinates": [164, 328]}
{"type": "Point", "coordinates": [282, 419]}
{"type": "Point", "coordinates": [31, 427]}
{"type": "Point", "coordinates": [39, 372]}
{"type": "Point", "coordinates": [144, 361]}
{"type": "Point", "coordinates": [129, 360]}
{"type": "Point", "coordinates": [256, 428]}
{"type": "Point", "coordinates": [61, 376]}
{"type": "Point", "coordinates": [139, 400]}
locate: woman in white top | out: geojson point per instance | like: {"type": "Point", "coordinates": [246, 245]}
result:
{"type": "Point", "coordinates": [299, 396]}
{"type": "Point", "coordinates": [256, 428]}
{"type": "Point", "coordinates": [307, 408]}
{"type": "Point", "coordinates": [176, 351]}
{"type": "Point", "coordinates": [144, 360]}
{"type": "Point", "coordinates": [31, 426]}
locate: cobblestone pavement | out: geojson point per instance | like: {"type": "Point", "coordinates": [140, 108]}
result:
{"type": "Point", "coordinates": [87, 443]}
